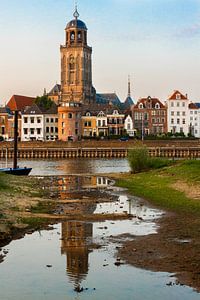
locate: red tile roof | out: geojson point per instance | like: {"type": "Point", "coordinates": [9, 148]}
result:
{"type": "Point", "coordinates": [149, 103]}
{"type": "Point", "coordinates": [175, 93]}
{"type": "Point", "coordinates": [193, 106]}
{"type": "Point", "coordinates": [18, 102]}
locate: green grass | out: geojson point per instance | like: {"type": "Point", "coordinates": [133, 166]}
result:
{"type": "Point", "coordinates": [34, 222]}
{"type": "Point", "coordinates": [155, 186]}
{"type": "Point", "coordinates": [43, 207]}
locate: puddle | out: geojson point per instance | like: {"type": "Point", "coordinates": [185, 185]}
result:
{"type": "Point", "coordinates": [52, 264]}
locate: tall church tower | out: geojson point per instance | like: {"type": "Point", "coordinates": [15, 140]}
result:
{"type": "Point", "coordinates": [76, 64]}
{"type": "Point", "coordinates": [76, 79]}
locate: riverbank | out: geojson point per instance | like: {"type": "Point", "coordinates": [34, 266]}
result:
{"type": "Point", "coordinates": [176, 246]}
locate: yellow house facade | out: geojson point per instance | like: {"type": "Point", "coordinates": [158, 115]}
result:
{"type": "Point", "coordinates": [89, 128]}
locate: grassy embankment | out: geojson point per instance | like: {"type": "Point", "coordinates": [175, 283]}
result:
{"type": "Point", "coordinates": [175, 188]}
{"type": "Point", "coordinates": [20, 196]}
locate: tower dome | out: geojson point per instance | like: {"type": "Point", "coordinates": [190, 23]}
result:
{"type": "Point", "coordinates": [76, 23]}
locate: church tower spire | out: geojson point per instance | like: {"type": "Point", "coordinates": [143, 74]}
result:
{"type": "Point", "coordinates": [129, 86]}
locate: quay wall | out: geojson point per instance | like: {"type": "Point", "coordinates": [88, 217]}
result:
{"type": "Point", "coordinates": [109, 152]}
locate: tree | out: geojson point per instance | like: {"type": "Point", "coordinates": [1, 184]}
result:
{"type": "Point", "coordinates": [44, 102]}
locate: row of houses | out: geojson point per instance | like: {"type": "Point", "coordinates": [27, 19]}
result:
{"type": "Point", "coordinates": [149, 116]}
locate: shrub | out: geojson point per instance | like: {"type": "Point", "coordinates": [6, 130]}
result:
{"type": "Point", "coordinates": [139, 160]}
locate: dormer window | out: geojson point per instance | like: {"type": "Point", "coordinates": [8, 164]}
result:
{"type": "Point", "coordinates": [157, 106]}
{"type": "Point", "coordinates": [141, 106]}
{"type": "Point", "coordinates": [115, 112]}
{"type": "Point", "coordinates": [88, 114]}
{"type": "Point", "coordinates": [178, 96]}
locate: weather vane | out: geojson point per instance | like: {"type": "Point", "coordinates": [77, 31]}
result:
{"type": "Point", "coordinates": [76, 14]}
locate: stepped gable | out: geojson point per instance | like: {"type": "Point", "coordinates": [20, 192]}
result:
{"type": "Point", "coordinates": [18, 102]}
{"type": "Point", "coordinates": [175, 94]}
{"type": "Point", "coordinates": [149, 103]}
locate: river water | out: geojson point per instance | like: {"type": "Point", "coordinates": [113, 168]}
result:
{"type": "Point", "coordinates": [51, 264]}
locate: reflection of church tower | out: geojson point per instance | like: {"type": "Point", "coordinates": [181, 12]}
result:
{"type": "Point", "coordinates": [76, 79]}
{"type": "Point", "coordinates": [74, 245]}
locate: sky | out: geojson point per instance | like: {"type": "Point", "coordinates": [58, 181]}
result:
{"type": "Point", "coordinates": [156, 42]}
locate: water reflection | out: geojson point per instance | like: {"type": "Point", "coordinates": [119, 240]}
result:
{"type": "Point", "coordinates": [72, 166]}
{"type": "Point", "coordinates": [74, 244]}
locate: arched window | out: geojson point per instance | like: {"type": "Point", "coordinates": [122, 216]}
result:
{"type": "Point", "coordinates": [70, 115]}
{"type": "Point", "coordinates": [79, 36]}
{"type": "Point", "coordinates": [72, 36]}
{"type": "Point", "coordinates": [71, 70]}
{"type": "Point", "coordinates": [157, 106]}
{"type": "Point", "coordinates": [141, 106]}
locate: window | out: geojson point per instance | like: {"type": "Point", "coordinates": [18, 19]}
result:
{"type": "Point", "coordinates": [47, 120]}
{"type": "Point", "coordinates": [183, 104]}
{"type": "Point", "coordinates": [56, 120]}
{"type": "Point", "coordinates": [178, 113]}
{"type": "Point", "coordinates": [99, 123]}
{"type": "Point", "coordinates": [178, 96]}
{"type": "Point", "coordinates": [141, 106]}
{"type": "Point", "coordinates": [76, 131]}
{"type": "Point", "coordinates": [76, 124]}
{"type": "Point", "coordinates": [183, 113]}
{"type": "Point", "coordinates": [47, 129]}
{"type": "Point", "coordinates": [25, 130]}
{"type": "Point", "coordinates": [178, 104]}
{"type": "Point", "coordinates": [52, 120]}
{"type": "Point", "coordinates": [172, 121]}
{"type": "Point", "coordinates": [32, 130]}
{"type": "Point", "coordinates": [52, 129]}
{"type": "Point", "coordinates": [38, 120]}
{"type": "Point", "coordinates": [183, 121]}
{"type": "Point", "coordinates": [63, 116]}
{"type": "Point", "coordinates": [32, 120]}
{"type": "Point", "coordinates": [56, 129]}
{"type": "Point", "coordinates": [69, 115]}
{"type": "Point", "coordinates": [172, 113]}
{"type": "Point", "coordinates": [25, 120]}
{"type": "Point", "coordinates": [172, 104]}
{"type": "Point", "coordinates": [157, 106]}
{"type": "Point", "coordinates": [178, 121]}
{"type": "Point", "coordinates": [63, 124]}
{"type": "Point", "coordinates": [63, 131]}
{"type": "Point", "coordinates": [38, 130]}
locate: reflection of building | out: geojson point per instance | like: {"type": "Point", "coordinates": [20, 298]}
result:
{"type": "Point", "coordinates": [75, 245]}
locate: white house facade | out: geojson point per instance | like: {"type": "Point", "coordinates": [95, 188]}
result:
{"type": "Point", "coordinates": [178, 113]}
{"type": "Point", "coordinates": [128, 126]}
{"type": "Point", "coordinates": [39, 125]}
{"type": "Point", "coordinates": [194, 120]}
